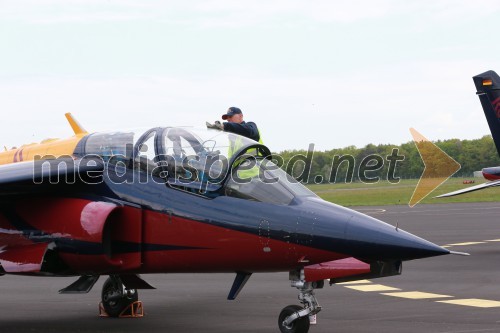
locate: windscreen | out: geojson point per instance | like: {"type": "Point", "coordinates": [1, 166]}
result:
{"type": "Point", "coordinates": [262, 180]}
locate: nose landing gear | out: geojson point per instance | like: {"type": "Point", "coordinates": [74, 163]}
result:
{"type": "Point", "coordinates": [295, 318]}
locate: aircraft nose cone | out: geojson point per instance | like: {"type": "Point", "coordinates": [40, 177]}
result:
{"type": "Point", "coordinates": [352, 233]}
{"type": "Point", "coordinates": [370, 238]}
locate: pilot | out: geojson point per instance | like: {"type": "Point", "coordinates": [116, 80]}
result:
{"type": "Point", "coordinates": [236, 124]}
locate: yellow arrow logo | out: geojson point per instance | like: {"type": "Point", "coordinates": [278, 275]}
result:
{"type": "Point", "coordinates": [439, 166]}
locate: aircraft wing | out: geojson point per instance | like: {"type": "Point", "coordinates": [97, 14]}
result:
{"type": "Point", "coordinates": [45, 175]}
{"type": "Point", "coordinates": [17, 253]}
{"type": "Point", "coordinates": [471, 189]}
{"type": "Point", "coordinates": [22, 258]}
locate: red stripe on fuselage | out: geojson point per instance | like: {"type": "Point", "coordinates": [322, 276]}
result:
{"type": "Point", "coordinates": [202, 247]}
{"type": "Point", "coordinates": [223, 249]}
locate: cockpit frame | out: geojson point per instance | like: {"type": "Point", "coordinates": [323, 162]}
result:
{"type": "Point", "coordinates": [205, 163]}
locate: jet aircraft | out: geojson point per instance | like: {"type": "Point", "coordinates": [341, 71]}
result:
{"type": "Point", "coordinates": [181, 200]}
{"type": "Point", "coordinates": [488, 89]}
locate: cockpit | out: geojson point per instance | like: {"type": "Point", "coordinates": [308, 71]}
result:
{"type": "Point", "coordinates": [203, 162]}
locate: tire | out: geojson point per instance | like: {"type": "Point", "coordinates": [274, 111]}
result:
{"type": "Point", "coordinates": [300, 325]}
{"type": "Point", "coordinates": [115, 307]}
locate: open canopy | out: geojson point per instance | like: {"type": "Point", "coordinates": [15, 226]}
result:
{"type": "Point", "coordinates": [204, 161]}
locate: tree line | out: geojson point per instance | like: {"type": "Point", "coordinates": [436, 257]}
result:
{"type": "Point", "coordinates": [383, 162]}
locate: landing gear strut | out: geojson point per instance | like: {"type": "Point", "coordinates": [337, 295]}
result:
{"type": "Point", "coordinates": [116, 298]}
{"type": "Point", "coordinates": [295, 318]}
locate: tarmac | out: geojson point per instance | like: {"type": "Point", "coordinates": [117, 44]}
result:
{"type": "Point", "coordinates": [443, 294]}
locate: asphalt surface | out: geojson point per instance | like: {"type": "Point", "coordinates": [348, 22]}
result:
{"type": "Point", "coordinates": [197, 302]}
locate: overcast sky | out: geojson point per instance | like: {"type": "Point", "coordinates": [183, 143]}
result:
{"type": "Point", "coordinates": [333, 73]}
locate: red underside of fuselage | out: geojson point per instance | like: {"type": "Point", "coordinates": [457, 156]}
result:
{"type": "Point", "coordinates": [224, 249]}
{"type": "Point", "coordinates": [166, 244]}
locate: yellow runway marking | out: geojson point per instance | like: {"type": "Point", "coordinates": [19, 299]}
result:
{"type": "Point", "coordinates": [465, 243]}
{"type": "Point", "coordinates": [415, 295]}
{"type": "Point", "coordinates": [475, 302]}
{"type": "Point", "coordinates": [372, 287]}
{"type": "Point", "coordinates": [354, 282]}
{"type": "Point", "coordinates": [493, 240]}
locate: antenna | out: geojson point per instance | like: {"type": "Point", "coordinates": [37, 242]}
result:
{"type": "Point", "coordinates": [397, 221]}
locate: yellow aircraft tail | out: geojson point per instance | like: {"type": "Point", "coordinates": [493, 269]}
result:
{"type": "Point", "coordinates": [75, 125]}
{"type": "Point", "coordinates": [51, 148]}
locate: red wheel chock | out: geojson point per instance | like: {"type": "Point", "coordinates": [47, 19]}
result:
{"type": "Point", "coordinates": [134, 310]}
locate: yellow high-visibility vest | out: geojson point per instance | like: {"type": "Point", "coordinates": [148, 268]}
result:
{"type": "Point", "coordinates": [233, 148]}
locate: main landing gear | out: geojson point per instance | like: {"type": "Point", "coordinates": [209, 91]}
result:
{"type": "Point", "coordinates": [118, 301]}
{"type": "Point", "coordinates": [295, 318]}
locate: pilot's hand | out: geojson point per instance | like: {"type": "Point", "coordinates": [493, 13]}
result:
{"type": "Point", "coordinates": [216, 125]}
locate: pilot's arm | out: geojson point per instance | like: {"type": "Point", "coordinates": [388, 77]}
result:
{"type": "Point", "coordinates": [246, 129]}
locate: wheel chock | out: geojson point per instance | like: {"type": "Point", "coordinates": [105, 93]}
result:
{"type": "Point", "coordinates": [134, 310]}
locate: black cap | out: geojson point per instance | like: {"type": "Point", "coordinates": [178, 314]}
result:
{"type": "Point", "coordinates": [231, 112]}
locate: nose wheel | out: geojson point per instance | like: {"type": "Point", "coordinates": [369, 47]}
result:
{"type": "Point", "coordinates": [116, 298]}
{"type": "Point", "coordinates": [299, 325]}
{"type": "Point", "coordinates": [295, 318]}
